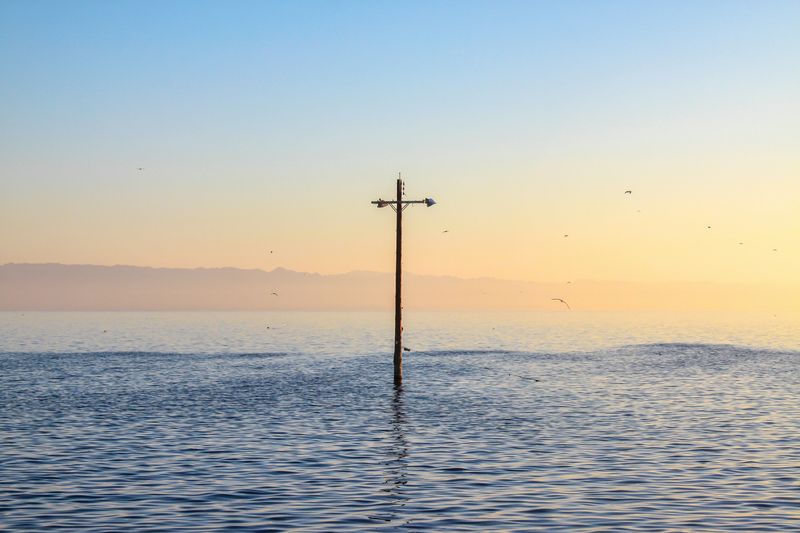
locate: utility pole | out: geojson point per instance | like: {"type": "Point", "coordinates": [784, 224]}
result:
{"type": "Point", "coordinates": [398, 289]}
{"type": "Point", "coordinates": [399, 205]}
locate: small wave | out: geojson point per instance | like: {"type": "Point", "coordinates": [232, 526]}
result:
{"type": "Point", "coordinates": [144, 354]}
{"type": "Point", "coordinates": [645, 349]}
{"type": "Point", "coordinates": [709, 348]}
{"type": "Point", "coordinates": [469, 352]}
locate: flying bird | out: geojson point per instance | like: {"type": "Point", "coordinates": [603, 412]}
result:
{"type": "Point", "coordinates": [274, 294]}
{"type": "Point", "coordinates": [628, 192]}
{"type": "Point", "coordinates": [708, 227]}
{"type": "Point", "coordinates": [140, 169]}
{"type": "Point", "coordinates": [562, 301]}
{"type": "Point", "coordinates": [566, 235]}
{"type": "Point", "coordinates": [446, 231]}
{"type": "Point", "coordinates": [406, 349]}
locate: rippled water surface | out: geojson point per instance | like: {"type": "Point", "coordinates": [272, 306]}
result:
{"type": "Point", "coordinates": [276, 421]}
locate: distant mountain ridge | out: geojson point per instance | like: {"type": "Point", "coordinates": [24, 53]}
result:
{"type": "Point", "coordinates": [54, 286]}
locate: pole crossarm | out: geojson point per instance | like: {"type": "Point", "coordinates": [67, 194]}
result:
{"type": "Point", "coordinates": [387, 202]}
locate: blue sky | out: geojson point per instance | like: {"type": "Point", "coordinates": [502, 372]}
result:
{"type": "Point", "coordinates": [256, 72]}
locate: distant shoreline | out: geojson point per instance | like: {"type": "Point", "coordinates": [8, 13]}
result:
{"type": "Point", "coordinates": [57, 287]}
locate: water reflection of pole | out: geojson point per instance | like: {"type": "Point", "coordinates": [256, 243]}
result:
{"type": "Point", "coordinates": [397, 463]}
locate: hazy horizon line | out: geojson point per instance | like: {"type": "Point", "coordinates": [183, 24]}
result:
{"type": "Point", "coordinates": [406, 272]}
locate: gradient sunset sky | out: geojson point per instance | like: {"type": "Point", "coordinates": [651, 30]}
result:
{"type": "Point", "coordinates": [272, 125]}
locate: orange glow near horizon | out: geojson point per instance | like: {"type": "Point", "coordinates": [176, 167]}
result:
{"type": "Point", "coordinates": [511, 228]}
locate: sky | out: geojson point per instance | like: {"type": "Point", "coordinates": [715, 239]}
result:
{"type": "Point", "coordinates": [271, 126]}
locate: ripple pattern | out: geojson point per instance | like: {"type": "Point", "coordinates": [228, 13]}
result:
{"type": "Point", "coordinates": [657, 437]}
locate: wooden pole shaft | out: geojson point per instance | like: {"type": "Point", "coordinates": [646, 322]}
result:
{"type": "Point", "coordinates": [398, 275]}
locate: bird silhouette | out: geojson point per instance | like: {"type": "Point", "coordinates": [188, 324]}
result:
{"type": "Point", "coordinates": [274, 294]}
{"type": "Point", "coordinates": [708, 227]}
{"type": "Point", "coordinates": [140, 169]}
{"type": "Point", "coordinates": [562, 301]}
{"type": "Point", "coordinates": [566, 235]}
{"type": "Point", "coordinates": [628, 192]}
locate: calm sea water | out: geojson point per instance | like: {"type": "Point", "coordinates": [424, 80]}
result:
{"type": "Point", "coordinates": [506, 422]}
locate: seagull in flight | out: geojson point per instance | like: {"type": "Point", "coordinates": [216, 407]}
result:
{"type": "Point", "coordinates": [628, 192]}
{"type": "Point", "coordinates": [562, 301]}
{"type": "Point", "coordinates": [446, 231]}
{"type": "Point", "coordinates": [274, 294]}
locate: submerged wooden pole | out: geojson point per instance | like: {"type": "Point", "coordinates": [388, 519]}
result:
{"type": "Point", "coordinates": [398, 288]}
{"type": "Point", "coordinates": [398, 205]}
